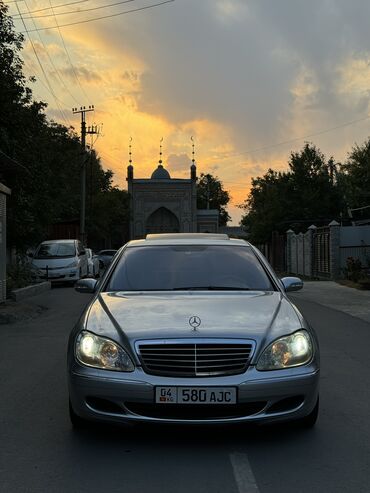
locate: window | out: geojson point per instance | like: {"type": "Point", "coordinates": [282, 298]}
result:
{"type": "Point", "coordinates": [189, 267]}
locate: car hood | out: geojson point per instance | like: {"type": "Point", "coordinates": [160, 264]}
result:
{"type": "Point", "coordinates": [52, 263]}
{"type": "Point", "coordinates": [260, 316]}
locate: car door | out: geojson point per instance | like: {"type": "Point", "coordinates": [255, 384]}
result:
{"type": "Point", "coordinates": [82, 255]}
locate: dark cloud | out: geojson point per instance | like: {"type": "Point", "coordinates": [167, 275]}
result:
{"type": "Point", "coordinates": [237, 63]}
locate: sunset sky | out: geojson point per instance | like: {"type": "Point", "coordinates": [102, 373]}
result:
{"type": "Point", "coordinates": [250, 80]}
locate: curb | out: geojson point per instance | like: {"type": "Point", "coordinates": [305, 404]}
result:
{"type": "Point", "coordinates": [28, 291]}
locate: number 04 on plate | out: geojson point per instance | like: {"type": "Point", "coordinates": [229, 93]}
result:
{"type": "Point", "coordinates": [195, 395]}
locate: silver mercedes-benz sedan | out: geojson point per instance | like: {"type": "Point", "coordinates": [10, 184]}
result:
{"type": "Point", "coordinates": [192, 328]}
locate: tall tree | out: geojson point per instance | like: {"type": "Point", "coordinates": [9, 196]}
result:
{"type": "Point", "coordinates": [49, 190]}
{"type": "Point", "coordinates": [305, 193]}
{"type": "Point", "coordinates": [210, 193]}
{"type": "Point", "coordinates": [356, 176]}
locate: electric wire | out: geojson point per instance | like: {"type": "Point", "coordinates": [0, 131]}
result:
{"type": "Point", "coordinates": [296, 139]}
{"type": "Point", "coordinates": [69, 58]}
{"type": "Point", "coordinates": [51, 61]}
{"type": "Point", "coordinates": [48, 8]}
{"type": "Point", "coordinates": [102, 17]}
{"type": "Point", "coordinates": [82, 10]}
{"type": "Point", "coordinates": [42, 70]}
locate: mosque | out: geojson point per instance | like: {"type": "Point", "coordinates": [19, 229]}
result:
{"type": "Point", "coordinates": [161, 204]}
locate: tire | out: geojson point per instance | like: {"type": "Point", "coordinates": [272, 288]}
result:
{"type": "Point", "coordinates": [78, 423]}
{"type": "Point", "coordinates": [309, 421]}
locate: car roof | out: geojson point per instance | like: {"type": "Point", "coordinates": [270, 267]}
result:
{"type": "Point", "coordinates": [58, 241]}
{"type": "Point", "coordinates": [188, 239]}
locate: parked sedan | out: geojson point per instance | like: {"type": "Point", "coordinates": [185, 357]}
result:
{"type": "Point", "coordinates": [93, 263]}
{"type": "Point", "coordinates": [192, 329]}
{"type": "Point", "coordinates": [105, 257]}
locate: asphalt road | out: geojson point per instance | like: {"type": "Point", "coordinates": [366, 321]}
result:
{"type": "Point", "coordinates": [40, 452]}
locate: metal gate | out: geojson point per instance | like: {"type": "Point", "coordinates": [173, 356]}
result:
{"type": "Point", "coordinates": [321, 252]}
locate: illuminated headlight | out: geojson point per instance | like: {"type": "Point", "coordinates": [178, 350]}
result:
{"type": "Point", "coordinates": [287, 352]}
{"type": "Point", "coordinates": [99, 352]}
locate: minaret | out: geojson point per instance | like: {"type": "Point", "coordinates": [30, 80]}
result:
{"type": "Point", "coordinates": [130, 185]}
{"type": "Point", "coordinates": [160, 165]}
{"type": "Point", "coordinates": [193, 176]}
{"type": "Point", "coordinates": [193, 168]}
{"type": "Point", "coordinates": [130, 168]}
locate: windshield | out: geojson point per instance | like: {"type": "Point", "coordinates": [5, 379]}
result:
{"type": "Point", "coordinates": [205, 267]}
{"type": "Point", "coordinates": [56, 250]}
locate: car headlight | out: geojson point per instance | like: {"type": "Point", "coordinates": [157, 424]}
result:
{"type": "Point", "coordinates": [287, 352]}
{"type": "Point", "coordinates": [99, 352]}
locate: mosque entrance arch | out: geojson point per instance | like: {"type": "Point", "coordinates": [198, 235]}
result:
{"type": "Point", "coordinates": [162, 220]}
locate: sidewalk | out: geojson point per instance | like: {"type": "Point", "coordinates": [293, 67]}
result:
{"type": "Point", "coordinates": [333, 295]}
{"type": "Point", "coordinates": [13, 312]}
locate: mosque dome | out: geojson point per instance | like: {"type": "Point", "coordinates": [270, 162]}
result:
{"type": "Point", "coordinates": [160, 173]}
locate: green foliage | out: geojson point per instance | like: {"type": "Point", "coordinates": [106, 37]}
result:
{"type": "Point", "coordinates": [18, 274]}
{"type": "Point", "coordinates": [353, 269]}
{"type": "Point", "coordinates": [108, 218]}
{"type": "Point", "coordinates": [209, 188]}
{"type": "Point", "coordinates": [304, 194]}
{"type": "Point", "coordinates": [356, 176]}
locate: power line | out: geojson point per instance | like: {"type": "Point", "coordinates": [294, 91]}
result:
{"type": "Point", "coordinates": [68, 56]}
{"type": "Point", "coordinates": [42, 68]}
{"type": "Point", "coordinates": [102, 17]}
{"type": "Point", "coordinates": [297, 139]}
{"type": "Point", "coordinates": [50, 59]}
{"type": "Point", "coordinates": [47, 8]}
{"type": "Point", "coordinates": [83, 10]}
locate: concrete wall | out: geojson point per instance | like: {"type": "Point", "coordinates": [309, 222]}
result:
{"type": "Point", "coordinates": [354, 241]}
{"type": "Point", "coordinates": [300, 252]}
{"type": "Point", "coordinates": [4, 191]}
{"type": "Point", "coordinates": [344, 242]}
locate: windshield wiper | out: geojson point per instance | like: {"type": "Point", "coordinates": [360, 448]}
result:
{"type": "Point", "coordinates": [210, 288]}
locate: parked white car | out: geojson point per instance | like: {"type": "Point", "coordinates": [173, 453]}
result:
{"type": "Point", "coordinates": [93, 263]}
{"type": "Point", "coordinates": [60, 260]}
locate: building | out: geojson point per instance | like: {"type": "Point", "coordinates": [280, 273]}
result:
{"type": "Point", "coordinates": [8, 169]}
{"type": "Point", "coordinates": [161, 204]}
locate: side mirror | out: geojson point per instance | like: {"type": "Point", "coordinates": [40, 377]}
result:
{"type": "Point", "coordinates": [292, 283]}
{"type": "Point", "coordinates": [86, 285]}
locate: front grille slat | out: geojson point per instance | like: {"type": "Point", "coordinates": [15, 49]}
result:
{"type": "Point", "coordinates": [195, 360]}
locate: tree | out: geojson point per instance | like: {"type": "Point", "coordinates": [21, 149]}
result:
{"type": "Point", "coordinates": [356, 176]}
{"type": "Point", "coordinates": [307, 193]}
{"type": "Point", "coordinates": [210, 193]}
{"type": "Point", "coordinates": [108, 222]}
{"type": "Point", "coordinates": [266, 205]}
{"type": "Point", "coordinates": [49, 190]}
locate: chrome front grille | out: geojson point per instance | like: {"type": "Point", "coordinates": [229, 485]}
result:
{"type": "Point", "coordinates": [195, 359]}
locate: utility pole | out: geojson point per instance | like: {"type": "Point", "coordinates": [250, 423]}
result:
{"type": "Point", "coordinates": [83, 110]}
{"type": "Point", "coordinates": [208, 192]}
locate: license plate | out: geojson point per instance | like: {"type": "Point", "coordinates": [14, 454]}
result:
{"type": "Point", "coordinates": [195, 395]}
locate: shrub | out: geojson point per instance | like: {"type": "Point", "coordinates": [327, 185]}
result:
{"type": "Point", "coordinates": [18, 274]}
{"type": "Point", "coordinates": [353, 269]}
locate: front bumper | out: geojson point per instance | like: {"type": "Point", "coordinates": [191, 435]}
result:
{"type": "Point", "coordinates": [59, 275]}
{"type": "Point", "coordinates": [263, 397]}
